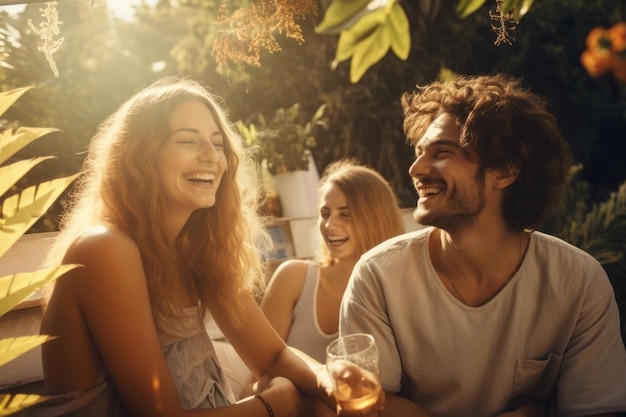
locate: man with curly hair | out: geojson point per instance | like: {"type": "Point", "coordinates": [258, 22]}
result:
{"type": "Point", "coordinates": [480, 314]}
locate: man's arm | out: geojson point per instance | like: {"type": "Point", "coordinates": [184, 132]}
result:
{"type": "Point", "coordinates": [396, 406]}
{"type": "Point", "coordinates": [529, 409]}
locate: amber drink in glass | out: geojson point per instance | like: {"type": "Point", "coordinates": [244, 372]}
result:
{"type": "Point", "coordinates": [352, 363]}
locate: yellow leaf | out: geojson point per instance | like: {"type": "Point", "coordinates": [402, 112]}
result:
{"type": "Point", "coordinates": [345, 47]}
{"type": "Point", "coordinates": [13, 347]}
{"type": "Point", "coordinates": [446, 74]}
{"type": "Point", "coordinates": [16, 288]}
{"type": "Point", "coordinates": [400, 33]}
{"type": "Point", "coordinates": [467, 7]}
{"type": "Point", "coordinates": [507, 5]}
{"type": "Point", "coordinates": [12, 404]}
{"type": "Point", "coordinates": [21, 211]}
{"type": "Point", "coordinates": [7, 98]}
{"type": "Point", "coordinates": [521, 8]}
{"type": "Point", "coordinates": [368, 52]}
{"type": "Point", "coordinates": [357, 33]}
{"type": "Point", "coordinates": [11, 174]}
{"type": "Point", "coordinates": [340, 13]}
{"type": "Point", "coordinates": [319, 112]}
{"type": "Point", "coordinates": [12, 141]}
{"type": "Point", "coordinates": [367, 24]}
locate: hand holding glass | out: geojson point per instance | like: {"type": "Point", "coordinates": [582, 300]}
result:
{"type": "Point", "coordinates": [352, 363]}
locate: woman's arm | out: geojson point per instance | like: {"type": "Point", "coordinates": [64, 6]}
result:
{"type": "Point", "coordinates": [262, 349]}
{"type": "Point", "coordinates": [102, 314]}
{"type": "Point", "coordinates": [282, 294]}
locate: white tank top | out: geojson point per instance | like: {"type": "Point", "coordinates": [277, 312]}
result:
{"type": "Point", "coordinates": [305, 332]}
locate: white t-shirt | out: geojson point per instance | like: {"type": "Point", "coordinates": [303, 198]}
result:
{"type": "Point", "coordinates": [551, 334]}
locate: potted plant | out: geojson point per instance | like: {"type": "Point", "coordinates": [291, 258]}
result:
{"type": "Point", "coordinates": [282, 148]}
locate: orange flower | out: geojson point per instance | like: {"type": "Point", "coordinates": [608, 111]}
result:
{"type": "Point", "coordinates": [619, 66]}
{"type": "Point", "coordinates": [606, 51]}
{"type": "Point", "coordinates": [617, 36]}
{"type": "Point", "coordinates": [620, 73]}
{"type": "Point", "coordinates": [595, 63]}
{"type": "Point", "coordinates": [598, 40]}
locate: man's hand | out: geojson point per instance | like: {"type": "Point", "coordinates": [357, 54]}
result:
{"type": "Point", "coordinates": [352, 381]}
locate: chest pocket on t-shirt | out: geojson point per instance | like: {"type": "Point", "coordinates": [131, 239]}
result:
{"type": "Point", "coordinates": [536, 378]}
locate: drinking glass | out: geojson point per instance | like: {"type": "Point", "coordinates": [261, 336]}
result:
{"type": "Point", "coordinates": [352, 363]}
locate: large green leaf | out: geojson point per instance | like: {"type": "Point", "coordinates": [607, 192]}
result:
{"type": "Point", "coordinates": [11, 174]}
{"type": "Point", "coordinates": [10, 404]}
{"type": "Point", "coordinates": [466, 7]}
{"type": "Point", "coordinates": [16, 288]}
{"type": "Point", "coordinates": [345, 48]}
{"type": "Point", "coordinates": [507, 5]}
{"type": "Point", "coordinates": [13, 347]}
{"type": "Point", "coordinates": [399, 31]}
{"type": "Point", "coordinates": [11, 141]}
{"type": "Point", "coordinates": [7, 98]}
{"type": "Point", "coordinates": [521, 8]}
{"type": "Point", "coordinates": [369, 52]}
{"type": "Point", "coordinates": [357, 33]}
{"type": "Point", "coordinates": [370, 37]}
{"type": "Point", "coordinates": [340, 13]}
{"type": "Point", "coordinates": [21, 211]}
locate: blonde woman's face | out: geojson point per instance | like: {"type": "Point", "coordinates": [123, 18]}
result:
{"type": "Point", "coordinates": [192, 161]}
{"type": "Point", "coordinates": [335, 223]}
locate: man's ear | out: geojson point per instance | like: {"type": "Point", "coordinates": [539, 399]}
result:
{"type": "Point", "coordinates": [505, 177]}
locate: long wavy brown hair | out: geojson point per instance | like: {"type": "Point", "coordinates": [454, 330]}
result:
{"type": "Point", "coordinates": [218, 252]}
{"type": "Point", "coordinates": [373, 205]}
{"type": "Point", "coordinates": [504, 127]}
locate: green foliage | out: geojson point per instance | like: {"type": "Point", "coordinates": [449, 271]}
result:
{"type": "Point", "coordinates": [19, 212]}
{"type": "Point", "coordinates": [599, 229]}
{"type": "Point", "coordinates": [283, 143]}
{"type": "Point", "coordinates": [366, 35]}
{"type": "Point", "coordinates": [519, 7]}
{"type": "Point", "coordinates": [101, 63]}
{"type": "Point", "coordinates": [341, 14]}
{"type": "Point", "coordinates": [367, 32]}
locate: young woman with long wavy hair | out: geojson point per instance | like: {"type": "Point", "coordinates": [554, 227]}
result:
{"type": "Point", "coordinates": [164, 224]}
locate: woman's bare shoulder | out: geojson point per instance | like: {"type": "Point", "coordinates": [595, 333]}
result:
{"type": "Point", "coordinates": [289, 277]}
{"type": "Point", "coordinates": [108, 259]}
{"type": "Point", "coordinates": [292, 266]}
{"type": "Point", "coordinates": [101, 243]}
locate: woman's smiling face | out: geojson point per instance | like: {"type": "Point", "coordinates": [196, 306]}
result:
{"type": "Point", "coordinates": [192, 161]}
{"type": "Point", "coordinates": [335, 223]}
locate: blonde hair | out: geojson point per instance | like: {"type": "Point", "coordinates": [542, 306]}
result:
{"type": "Point", "coordinates": [218, 252]}
{"type": "Point", "coordinates": [373, 205]}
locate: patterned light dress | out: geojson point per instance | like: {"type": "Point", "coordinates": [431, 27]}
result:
{"type": "Point", "coordinates": [191, 359]}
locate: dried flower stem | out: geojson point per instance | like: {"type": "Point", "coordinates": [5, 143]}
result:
{"type": "Point", "coordinates": [506, 23]}
{"type": "Point", "coordinates": [47, 31]}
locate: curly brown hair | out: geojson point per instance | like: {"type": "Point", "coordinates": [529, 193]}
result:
{"type": "Point", "coordinates": [504, 127]}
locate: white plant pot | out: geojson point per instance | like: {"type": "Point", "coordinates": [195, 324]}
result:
{"type": "Point", "coordinates": [298, 191]}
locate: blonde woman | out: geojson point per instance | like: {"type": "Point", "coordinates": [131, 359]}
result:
{"type": "Point", "coordinates": [166, 236]}
{"type": "Point", "coordinates": [357, 210]}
